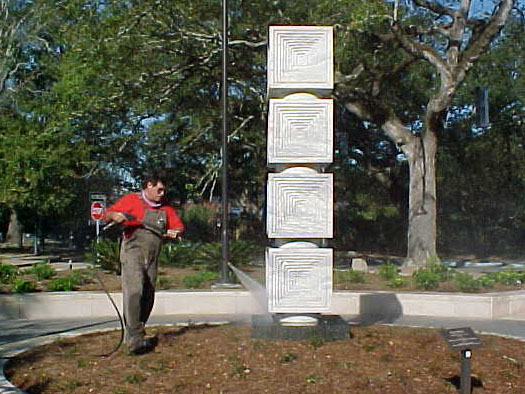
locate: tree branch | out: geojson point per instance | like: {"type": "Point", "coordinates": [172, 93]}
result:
{"type": "Point", "coordinates": [481, 40]}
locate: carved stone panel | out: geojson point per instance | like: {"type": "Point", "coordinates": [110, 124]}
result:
{"type": "Point", "coordinates": [299, 280]}
{"type": "Point", "coordinates": [300, 58]}
{"type": "Point", "coordinates": [300, 130]}
{"type": "Point", "coordinates": [300, 204]}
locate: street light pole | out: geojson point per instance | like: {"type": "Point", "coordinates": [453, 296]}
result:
{"type": "Point", "coordinates": [224, 271]}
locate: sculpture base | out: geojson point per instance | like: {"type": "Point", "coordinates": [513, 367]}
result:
{"type": "Point", "coordinates": [328, 327]}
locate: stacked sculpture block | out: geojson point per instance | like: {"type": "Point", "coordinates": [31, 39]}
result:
{"type": "Point", "coordinates": [300, 144]}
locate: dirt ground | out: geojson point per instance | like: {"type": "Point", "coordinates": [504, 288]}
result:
{"type": "Point", "coordinates": [226, 360]}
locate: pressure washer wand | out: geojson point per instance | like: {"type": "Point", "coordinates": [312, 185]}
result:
{"type": "Point", "coordinates": [111, 224]}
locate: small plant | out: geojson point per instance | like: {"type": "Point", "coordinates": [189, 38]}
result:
{"type": "Point", "coordinates": [65, 283]}
{"type": "Point", "coordinates": [486, 281]}
{"type": "Point", "coordinates": [466, 283]}
{"type": "Point", "coordinates": [164, 282]}
{"type": "Point", "coordinates": [316, 342]}
{"type": "Point", "coordinates": [397, 282]}
{"type": "Point", "coordinates": [7, 273]}
{"type": "Point", "coordinates": [135, 378]}
{"type": "Point", "coordinates": [106, 254]}
{"type": "Point", "coordinates": [311, 378]}
{"type": "Point", "coordinates": [288, 357]}
{"type": "Point", "coordinates": [426, 279]}
{"type": "Point", "coordinates": [23, 286]}
{"type": "Point", "coordinates": [196, 281]}
{"type": "Point", "coordinates": [388, 271]}
{"type": "Point", "coordinates": [42, 271]}
{"type": "Point", "coordinates": [351, 276]}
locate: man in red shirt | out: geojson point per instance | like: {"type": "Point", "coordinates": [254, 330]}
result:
{"type": "Point", "coordinates": [147, 222]}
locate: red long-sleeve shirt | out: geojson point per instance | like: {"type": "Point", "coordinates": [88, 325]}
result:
{"type": "Point", "coordinates": [133, 204]}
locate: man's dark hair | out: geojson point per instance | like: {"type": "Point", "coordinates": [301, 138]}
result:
{"type": "Point", "coordinates": [154, 177]}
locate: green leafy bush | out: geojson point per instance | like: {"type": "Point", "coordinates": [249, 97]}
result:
{"type": "Point", "coordinates": [466, 283]}
{"type": "Point", "coordinates": [397, 282]}
{"type": "Point", "coordinates": [198, 280]}
{"type": "Point", "coordinates": [508, 278]}
{"type": "Point", "coordinates": [200, 222]}
{"type": "Point", "coordinates": [23, 286]}
{"type": "Point", "coordinates": [7, 273]}
{"type": "Point", "coordinates": [182, 254]}
{"type": "Point", "coordinates": [66, 283]}
{"type": "Point", "coordinates": [388, 271]}
{"type": "Point", "coordinates": [435, 266]}
{"type": "Point", "coordinates": [426, 279]}
{"type": "Point", "coordinates": [106, 254]}
{"type": "Point", "coordinates": [486, 281]}
{"type": "Point", "coordinates": [350, 276]}
{"type": "Point", "coordinates": [210, 254]}
{"type": "Point", "coordinates": [42, 271]}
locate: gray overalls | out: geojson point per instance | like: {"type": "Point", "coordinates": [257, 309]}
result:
{"type": "Point", "coordinates": [138, 255]}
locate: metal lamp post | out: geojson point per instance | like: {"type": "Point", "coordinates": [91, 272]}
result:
{"type": "Point", "coordinates": [224, 271]}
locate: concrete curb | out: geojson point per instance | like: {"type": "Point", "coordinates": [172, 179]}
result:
{"type": "Point", "coordinates": [505, 305]}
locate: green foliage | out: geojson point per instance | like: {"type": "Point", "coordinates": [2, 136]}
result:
{"type": "Point", "coordinates": [466, 283]}
{"type": "Point", "coordinates": [316, 342]}
{"type": "Point", "coordinates": [43, 271]}
{"type": "Point", "coordinates": [288, 357]}
{"type": "Point", "coordinates": [65, 283]}
{"type": "Point", "coordinates": [179, 254]}
{"type": "Point", "coordinates": [388, 271]}
{"type": "Point", "coordinates": [200, 222]}
{"type": "Point", "coordinates": [507, 278]}
{"type": "Point", "coordinates": [427, 279]}
{"type": "Point", "coordinates": [23, 286]}
{"type": "Point", "coordinates": [397, 282]}
{"type": "Point", "coordinates": [106, 254]}
{"type": "Point", "coordinates": [210, 254]}
{"type": "Point", "coordinates": [7, 273]}
{"type": "Point", "coordinates": [350, 276]}
{"type": "Point", "coordinates": [199, 280]}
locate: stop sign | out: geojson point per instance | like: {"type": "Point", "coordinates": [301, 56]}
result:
{"type": "Point", "coordinates": [97, 210]}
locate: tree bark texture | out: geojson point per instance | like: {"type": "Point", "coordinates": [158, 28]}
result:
{"type": "Point", "coordinates": [14, 231]}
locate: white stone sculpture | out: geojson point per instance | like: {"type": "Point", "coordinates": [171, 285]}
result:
{"type": "Point", "coordinates": [300, 130]}
{"type": "Point", "coordinates": [300, 58]}
{"type": "Point", "coordinates": [300, 204]}
{"type": "Point", "coordinates": [299, 278]}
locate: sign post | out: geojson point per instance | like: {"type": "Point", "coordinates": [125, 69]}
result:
{"type": "Point", "coordinates": [463, 339]}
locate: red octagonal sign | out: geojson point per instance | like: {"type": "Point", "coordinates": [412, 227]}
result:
{"type": "Point", "coordinates": [97, 210]}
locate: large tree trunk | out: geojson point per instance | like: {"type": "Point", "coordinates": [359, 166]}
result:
{"type": "Point", "coordinates": [422, 217]}
{"type": "Point", "coordinates": [14, 231]}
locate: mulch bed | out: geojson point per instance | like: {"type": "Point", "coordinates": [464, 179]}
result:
{"type": "Point", "coordinates": [226, 360]}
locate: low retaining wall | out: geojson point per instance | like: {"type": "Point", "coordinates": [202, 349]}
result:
{"type": "Point", "coordinates": [96, 304]}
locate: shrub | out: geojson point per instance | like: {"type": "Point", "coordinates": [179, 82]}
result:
{"type": "Point", "coordinates": [435, 266]}
{"type": "Point", "coordinates": [388, 271]}
{"type": "Point", "coordinates": [23, 286]}
{"type": "Point", "coordinates": [397, 282]}
{"type": "Point", "coordinates": [106, 254]}
{"type": "Point", "coordinates": [508, 278]}
{"type": "Point", "coordinates": [42, 271]}
{"type": "Point", "coordinates": [7, 273]}
{"type": "Point", "coordinates": [198, 280]}
{"type": "Point", "coordinates": [466, 283]}
{"type": "Point", "coordinates": [351, 276]}
{"type": "Point", "coordinates": [486, 281]}
{"type": "Point", "coordinates": [426, 279]}
{"type": "Point", "coordinates": [210, 254]}
{"type": "Point", "coordinates": [183, 254]}
{"type": "Point", "coordinates": [200, 222]}
{"type": "Point", "coordinates": [66, 283]}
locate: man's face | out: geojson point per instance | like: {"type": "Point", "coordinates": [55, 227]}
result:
{"type": "Point", "coordinates": [155, 192]}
